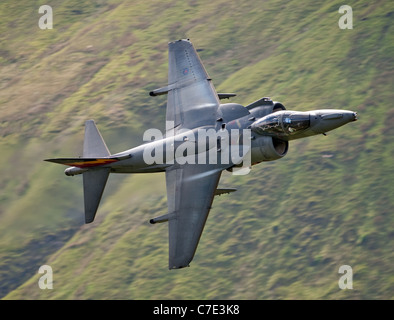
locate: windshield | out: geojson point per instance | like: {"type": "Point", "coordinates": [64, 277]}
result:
{"type": "Point", "coordinates": [282, 123]}
{"type": "Point", "coordinates": [269, 124]}
{"type": "Point", "coordinates": [296, 122]}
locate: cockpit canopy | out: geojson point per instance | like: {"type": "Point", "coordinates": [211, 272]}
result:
{"type": "Point", "coordinates": [282, 123]}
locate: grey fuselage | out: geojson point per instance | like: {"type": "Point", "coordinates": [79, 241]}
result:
{"type": "Point", "coordinates": [270, 130]}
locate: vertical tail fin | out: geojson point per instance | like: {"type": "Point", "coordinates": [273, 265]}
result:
{"type": "Point", "coordinates": [94, 145]}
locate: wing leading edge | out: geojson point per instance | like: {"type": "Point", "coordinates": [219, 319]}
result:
{"type": "Point", "coordinates": [192, 100]}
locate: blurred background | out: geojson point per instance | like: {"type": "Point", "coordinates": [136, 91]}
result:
{"type": "Point", "coordinates": [292, 223]}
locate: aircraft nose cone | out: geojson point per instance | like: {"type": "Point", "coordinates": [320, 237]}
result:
{"type": "Point", "coordinates": [326, 120]}
{"type": "Point", "coordinates": [350, 116]}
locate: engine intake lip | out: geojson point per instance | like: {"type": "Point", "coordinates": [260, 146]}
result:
{"type": "Point", "coordinates": [281, 146]}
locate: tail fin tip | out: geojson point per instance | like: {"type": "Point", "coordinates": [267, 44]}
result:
{"type": "Point", "coordinates": [94, 145]}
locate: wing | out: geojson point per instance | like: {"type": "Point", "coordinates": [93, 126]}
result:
{"type": "Point", "coordinates": [190, 192]}
{"type": "Point", "coordinates": [192, 99]}
{"type": "Point", "coordinates": [192, 102]}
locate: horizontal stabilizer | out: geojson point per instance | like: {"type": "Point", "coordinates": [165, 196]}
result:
{"type": "Point", "coordinates": [87, 162]}
{"type": "Point", "coordinates": [219, 192]}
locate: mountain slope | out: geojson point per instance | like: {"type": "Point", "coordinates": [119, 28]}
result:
{"type": "Point", "coordinates": [291, 224]}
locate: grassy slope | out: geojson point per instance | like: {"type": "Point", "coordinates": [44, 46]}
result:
{"type": "Point", "coordinates": [292, 223]}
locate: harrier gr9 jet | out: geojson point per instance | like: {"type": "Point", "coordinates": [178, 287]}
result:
{"type": "Point", "coordinates": [203, 137]}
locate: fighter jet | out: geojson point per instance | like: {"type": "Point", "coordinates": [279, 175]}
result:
{"type": "Point", "coordinates": [203, 137]}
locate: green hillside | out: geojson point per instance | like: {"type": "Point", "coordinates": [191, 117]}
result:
{"type": "Point", "coordinates": [291, 224]}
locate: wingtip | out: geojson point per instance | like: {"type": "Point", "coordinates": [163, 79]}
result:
{"type": "Point", "coordinates": [180, 40]}
{"type": "Point", "coordinates": [180, 261]}
{"type": "Point", "coordinates": [178, 267]}
{"type": "Point", "coordinates": [88, 221]}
